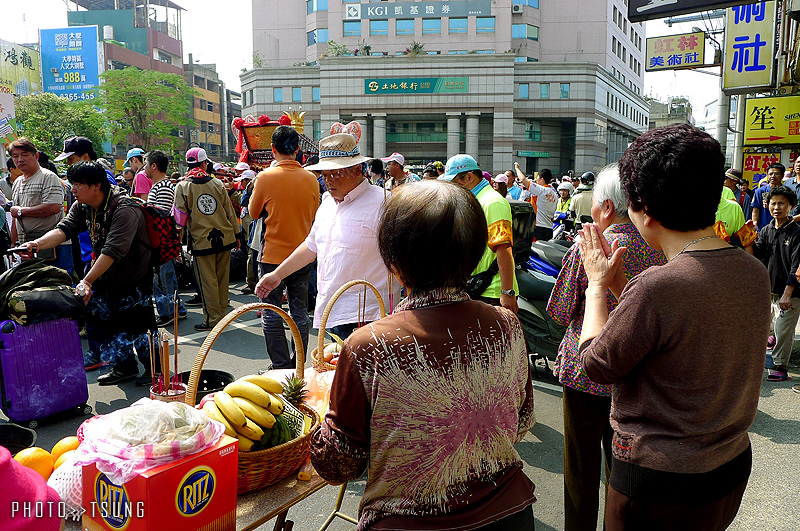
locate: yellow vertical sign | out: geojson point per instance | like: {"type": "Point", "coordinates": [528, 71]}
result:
{"type": "Point", "coordinates": [749, 61]}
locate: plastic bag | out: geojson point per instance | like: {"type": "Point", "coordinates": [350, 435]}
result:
{"type": "Point", "coordinates": [67, 480]}
{"type": "Point", "coordinates": [145, 435]}
{"type": "Point", "coordinates": [318, 385]}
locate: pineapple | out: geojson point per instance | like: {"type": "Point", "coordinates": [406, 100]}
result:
{"type": "Point", "coordinates": [294, 390]}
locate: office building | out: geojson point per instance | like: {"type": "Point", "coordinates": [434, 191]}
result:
{"type": "Point", "coordinates": [546, 83]}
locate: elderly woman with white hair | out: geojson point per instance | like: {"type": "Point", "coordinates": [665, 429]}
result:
{"type": "Point", "coordinates": [587, 404]}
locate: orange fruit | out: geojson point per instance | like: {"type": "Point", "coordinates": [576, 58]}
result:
{"type": "Point", "coordinates": [37, 459]}
{"type": "Point", "coordinates": [64, 445]}
{"type": "Point", "coordinates": [63, 457]}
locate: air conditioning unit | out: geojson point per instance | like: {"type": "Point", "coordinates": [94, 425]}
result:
{"type": "Point", "coordinates": [517, 9]}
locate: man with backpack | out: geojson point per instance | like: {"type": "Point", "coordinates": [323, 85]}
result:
{"type": "Point", "coordinates": [118, 288]}
{"type": "Point", "coordinates": [165, 282]}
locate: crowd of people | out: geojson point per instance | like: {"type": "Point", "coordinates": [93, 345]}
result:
{"type": "Point", "coordinates": [431, 399]}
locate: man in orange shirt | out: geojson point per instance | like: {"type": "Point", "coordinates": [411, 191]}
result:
{"type": "Point", "coordinates": [286, 198]}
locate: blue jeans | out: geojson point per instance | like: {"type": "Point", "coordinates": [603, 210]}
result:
{"type": "Point", "coordinates": [296, 286]}
{"type": "Point", "coordinates": [343, 331]}
{"type": "Point", "coordinates": [165, 283]}
{"type": "Point", "coordinates": [63, 258]}
{"type": "Point", "coordinates": [117, 323]}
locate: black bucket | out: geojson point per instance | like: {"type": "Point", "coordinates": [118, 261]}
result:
{"type": "Point", "coordinates": [15, 437]}
{"type": "Point", "coordinates": [210, 381]}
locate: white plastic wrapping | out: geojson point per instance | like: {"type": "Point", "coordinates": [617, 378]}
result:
{"type": "Point", "coordinates": [145, 435]}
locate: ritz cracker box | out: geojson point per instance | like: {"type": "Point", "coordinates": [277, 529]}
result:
{"type": "Point", "coordinates": [197, 492]}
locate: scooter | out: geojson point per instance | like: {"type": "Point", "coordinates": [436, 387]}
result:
{"type": "Point", "coordinates": [536, 278]}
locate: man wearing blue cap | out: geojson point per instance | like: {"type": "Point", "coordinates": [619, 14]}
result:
{"type": "Point", "coordinates": [498, 255]}
{"type": "Point", "coordinates": [141, 182]}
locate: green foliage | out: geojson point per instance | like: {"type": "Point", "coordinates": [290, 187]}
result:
{"type": "Point", "coordinates": [48, 120]}
{"type": "Point", "coordinates": [416, 48]}
{"type": "Point", "coordinates": [147, 104]}
{"type": "Point", "coordinates": [258, 59]}
{"type": "Point", "coordinates": [336, 50]}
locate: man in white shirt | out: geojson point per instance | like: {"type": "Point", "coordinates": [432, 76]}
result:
{"type": "Point", "coordinates": [544, 198]}
{"type": "Point", "coordinates": [38, 201]}
{"type": "Point", "coordinates": [343, 238]}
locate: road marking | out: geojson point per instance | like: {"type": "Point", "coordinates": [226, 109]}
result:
{"type": "Point", "coordinates": [551, 387]}
{"type": "Point", "coordinates": [199, 337]}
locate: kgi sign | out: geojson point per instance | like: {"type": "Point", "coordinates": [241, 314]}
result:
{"type": "Point", "coordinates": [639, 10]}
{"type": "Point", "coordinates": [385, 10]}
{"type": "Point", "coordinates": [749, 62]}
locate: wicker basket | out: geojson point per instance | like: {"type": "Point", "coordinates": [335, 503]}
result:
{"type": "Point", "coordinates": [319, 364]}
{"type": "Point", "coordinates": [264, 467]}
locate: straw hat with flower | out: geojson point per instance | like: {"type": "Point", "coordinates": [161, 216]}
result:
{"type": "Point", "coordinates": [340, 150]}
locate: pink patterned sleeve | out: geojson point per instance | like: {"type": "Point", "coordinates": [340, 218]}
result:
{"type": "Point", "coordinates": [566, 296]}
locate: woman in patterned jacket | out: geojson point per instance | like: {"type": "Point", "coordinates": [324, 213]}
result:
{"type": "Point", "coordinates": [431, 399]}
{"type": "Point", "coordinates": [587, 404]}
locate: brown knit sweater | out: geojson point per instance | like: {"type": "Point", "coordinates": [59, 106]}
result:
{"type": "Point", "coordinates": [685, 352]}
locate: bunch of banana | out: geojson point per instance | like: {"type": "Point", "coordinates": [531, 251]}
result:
{"type": "Point", "coordinates": [250, 409]}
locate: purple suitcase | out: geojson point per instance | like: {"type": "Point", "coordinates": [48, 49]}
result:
{"type": "Point", "coordinates": [41, 370]}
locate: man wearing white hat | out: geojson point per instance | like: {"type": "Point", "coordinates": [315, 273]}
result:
{"type": "Point", "coordinates": [344, 237]}
{"type": "Point", "coordinates": [395, 168]}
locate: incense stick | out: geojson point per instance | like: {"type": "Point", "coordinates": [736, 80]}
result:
{"type": "Point", "coordinates": [175, 338]}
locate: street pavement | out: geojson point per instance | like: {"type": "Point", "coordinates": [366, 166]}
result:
{"type": "Point", "coordinates": [771, 502]}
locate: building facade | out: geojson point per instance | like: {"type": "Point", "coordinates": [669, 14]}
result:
{"type": "Point", "coordinates": [677, 110]}
{"type": "Point", "coordinates": [505, 80]}
{"type": "Point", "coordinates": [145, 35]}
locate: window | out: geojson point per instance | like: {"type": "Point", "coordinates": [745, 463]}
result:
{"type": "Point", "coordinates": [404, 26]}
{"type": "Point", "coordinates": [533, 130]}
{"type": "Point", "coordinates": [457, 52]}
{"type": "Point", "coordinates": [484, 24]}
{"type": "Point", "coordinates": [209, 106]}
{"type": "Point", "coordinates": [317, 36]}
{"type": "Point", "coordinates": [379, 27]}
{"type": "Point", "coordinates": [523, 91]}
{"type": "Point", "coordinates": [531, 3]}
{"type": "Point", "coordinates": [252, 100]}
{"type": "Point", "coordinates": [315, 94]}
{"type": "Point", "coordinates": [297, 94]}
{"type": "Point", "coordinates": [316, 126]}
{"type": "Point", "coordinates": [431, 25]}
{"type": "Point", "coordinates": [524, 31]}
{"type": "Point", "coordinates": [484, 51]}
{"type": "Point", "coordinates": [277, 95]}
{"type": "Point", "coordinates": [544, 91]}
{"type": "Point", "coordinates": [520, 59]}
{"type": "Point", "coordinates": [244, 98]}
{"type": "Point", "coordinates": [316, 5]}
{"type": "Point", "coordinates": [203, 126]}
{"type": "Point", "coordinates": [432, 52]}
{"type": "Point", "coordinates": [565, 90]}
{"type": "Point", "coordinates": [352, 28]}
{"type": "Point", "coordinates": [458, 25]}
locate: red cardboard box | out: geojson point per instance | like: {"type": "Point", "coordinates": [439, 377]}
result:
{"type": "Point", "coordinates": [197, 492]}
